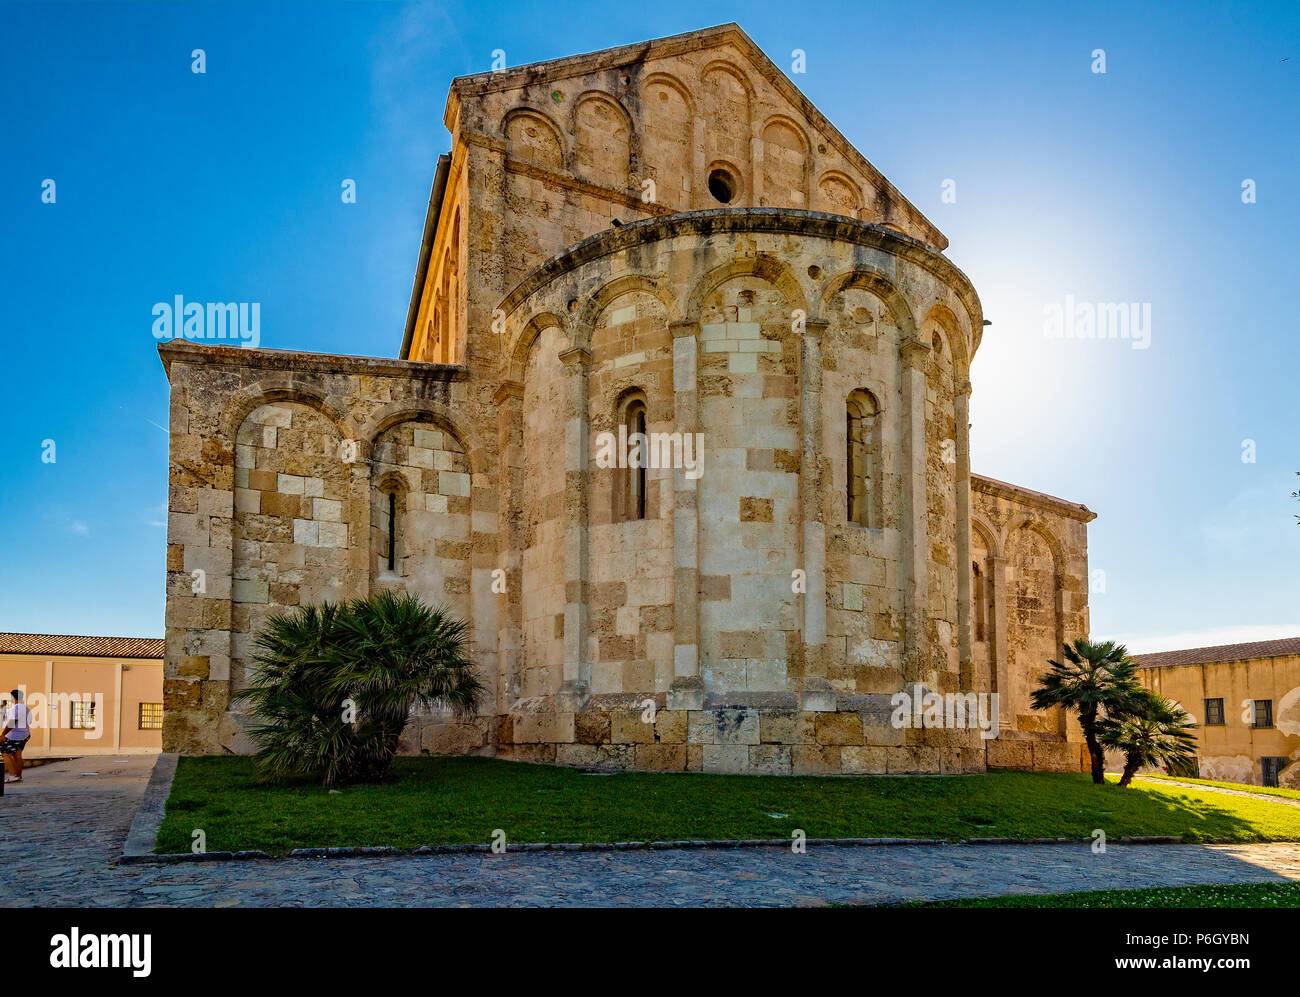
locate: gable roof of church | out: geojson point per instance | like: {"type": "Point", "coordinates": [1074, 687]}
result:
{"type": "Point", "coordinates": [623, 55]}
{"type": "Point", "coordinates": [690, 41]}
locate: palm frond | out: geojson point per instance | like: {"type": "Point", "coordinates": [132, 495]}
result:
{"type": "Point", "coordinates": [384, 655]}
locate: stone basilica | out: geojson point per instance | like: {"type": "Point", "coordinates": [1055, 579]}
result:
{"type": "Point", "coordinates": [664, 242]}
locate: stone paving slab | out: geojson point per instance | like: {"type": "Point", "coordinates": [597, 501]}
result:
{"type": "Point", "coordinates": [62, 833]}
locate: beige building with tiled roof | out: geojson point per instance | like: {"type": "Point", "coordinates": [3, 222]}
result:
{"type": "Point", "coordinates": [88, 695]}
{"type": "Point", "coordinates": [1246, 699]}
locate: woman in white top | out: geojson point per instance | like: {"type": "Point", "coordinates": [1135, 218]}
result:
{"type": "Point", "coordinates": [14, 736]}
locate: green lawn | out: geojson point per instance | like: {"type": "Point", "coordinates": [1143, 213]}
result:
{"type": "Point", "coordinates": [1241, 895]}
{"type": "Point", "coordinates": [1242, 787]}
{"type": "Point", "coordinates": [447, 800]}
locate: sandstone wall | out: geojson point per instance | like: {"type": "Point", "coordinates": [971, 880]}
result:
{"type": "Point", "coordinates": [753, 330]}
{"type": "Point", "coordinates": [543, 158]}
{"type": "Point", "coordinates": [765, 627]}
{"type": "Point", "coordinates": [279, 473]}
{"type": "Point", "coordinates": [1029, 585]}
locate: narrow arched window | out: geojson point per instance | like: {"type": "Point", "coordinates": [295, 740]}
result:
{"type": "Point", "coordinates": [631, 496]}
{"type": "Point", "coordinates": [978, 598]}
{"type": "Point", "coordinates": [388, 507]}
{"type": "Point", "coordinates": [638, 480]}
{"type": "Point", "coordinates": [862, 459]}
{"type": "Point", "coordinates": [392, 531]}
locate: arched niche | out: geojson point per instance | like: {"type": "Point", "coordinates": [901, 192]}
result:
{"type": "Point", "coordinates": [668, 113]}
{"type": "Point", "coordinates": [541, 508]}
{"type": "Point", "coordinates": [290, 531]}
{"type": "Point", "coordinates": [1032, 555]}
{"type": "Point", "coordinates": [785, 164]}
{"type": "Point", "coordinates": [533, 137]}
{"type": "Point", "coordinates": [602, 134]}
{"type": "Point", "coordinates": [421, 473]}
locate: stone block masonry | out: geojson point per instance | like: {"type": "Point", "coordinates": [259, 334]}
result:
{"type": "Point", "coordinates": [768, 294]}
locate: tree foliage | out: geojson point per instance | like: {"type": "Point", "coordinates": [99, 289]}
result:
{"type": "Point", "coordinates": [333, 686]}
{"type": "Point", "coordinates": [1095, 680]}
{"type": "Point", "coordinates": [1153, 731]}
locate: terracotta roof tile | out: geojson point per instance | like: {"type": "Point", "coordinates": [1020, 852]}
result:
{"type": "Point", "coordinates": [1223, 652]}
{"type": "Point", "coordinates": [83, 647]}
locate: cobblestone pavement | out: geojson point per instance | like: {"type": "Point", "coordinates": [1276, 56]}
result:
{"type": "Point", "coordinates": [61, 834]}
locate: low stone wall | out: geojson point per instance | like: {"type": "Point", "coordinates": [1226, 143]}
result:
{"type": "Point", "coordinates": [768, 735]}
{"type": "Point", "coordinates": [621, 733]}
{"type": "Point", "coordinates": [1029, 752]}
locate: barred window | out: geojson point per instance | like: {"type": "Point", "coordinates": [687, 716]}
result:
{"type": "Point", "coordinates": [1214, 713]}
{"type": "Point", "coordinates": [1271, 766]}
{"type": "Point", "coordinates": [83, 716]}
{"type": "Point", "coordinates": [1263, 713]}
{"type": "Point", "coordinates": [151, 716]}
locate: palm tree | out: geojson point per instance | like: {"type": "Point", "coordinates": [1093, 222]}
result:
{"type": "Point", "coordinates": [1094, 680]}
{"type": "Point", "coordinates": [334, 685]}
{"type": "Point", "coordinates": [397, 653]}
{"type": "Point", "coordinates": [298, 728]}
{"type": "Point", "coordinates": [1153, 731]}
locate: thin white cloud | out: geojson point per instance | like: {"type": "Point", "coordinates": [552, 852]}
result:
{"type": "Point", "coordinates": [78, 527]}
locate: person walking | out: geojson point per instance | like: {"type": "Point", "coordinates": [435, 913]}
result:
{"type": "Point", "coordinates": [13, 738]}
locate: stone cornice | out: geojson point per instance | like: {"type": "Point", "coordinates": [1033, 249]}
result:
{"type": "Point", "coordinates": [180, 351]}
{"type": "Point", "coordinates": [563, 181]}
{"type": "Point", "coordinates": [566, 67]}
{"type": "Point", "coordinates": [718, 221]}
{"type": "Point", "coordinates": [815, 328]}
{"type": "Point", "coordinates": [489, 142]}
{"type": "Point", "coordinates": [1028, 497]}
{"type": "Point", "coordinates": [578, 358]}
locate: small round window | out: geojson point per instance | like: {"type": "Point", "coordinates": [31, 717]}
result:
{"type": "Point", "coordinates": [722, 186]}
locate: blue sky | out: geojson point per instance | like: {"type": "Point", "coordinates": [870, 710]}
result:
{"type": "Point", "coordinates": [1122, 187]}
